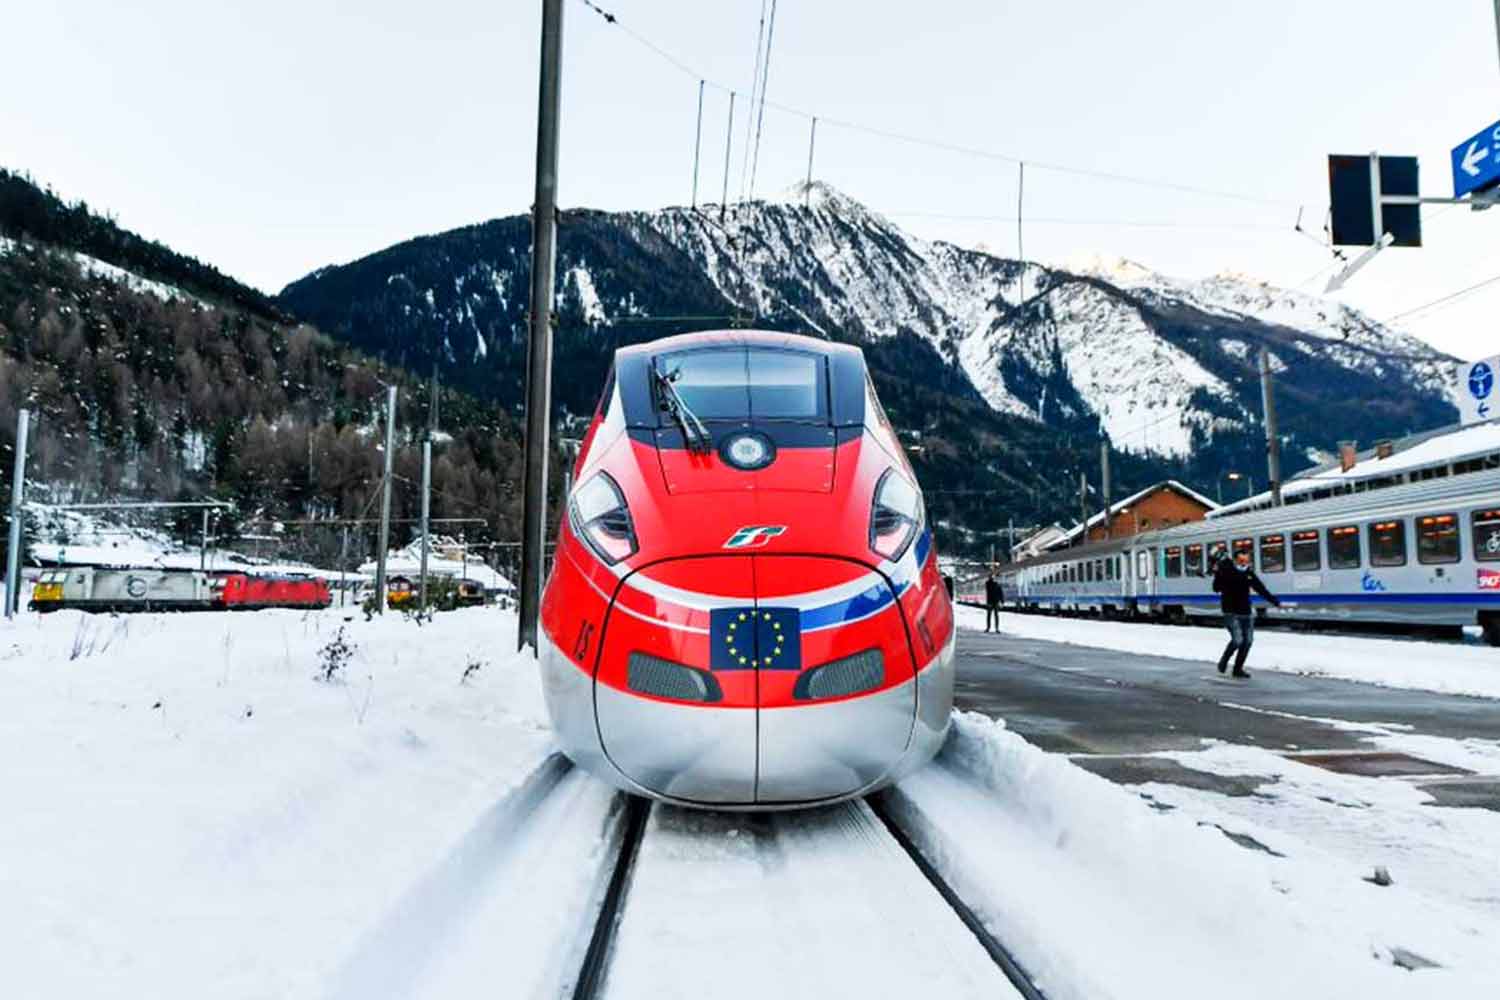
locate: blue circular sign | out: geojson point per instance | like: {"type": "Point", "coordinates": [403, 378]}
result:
{"type": "Point", "coordinates": [1481, 380]}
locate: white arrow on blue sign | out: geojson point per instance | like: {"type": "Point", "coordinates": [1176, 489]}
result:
{"type": "Point", "coordinates": [1476, 161]}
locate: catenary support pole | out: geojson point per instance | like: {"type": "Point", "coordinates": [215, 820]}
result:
{"type": "Point", "coordinates": [698, 142]}
{"type": "Point", "coordinates": [728, 146]}
{"type": "Point", "coordinates": [539, 347]}
{"type": "Point", "coordinates": [1273, 439]}
{"type": "Point", "coordinates": [1104, 481]}
{"type": "Point", "coordinates": [203, 544]}
{"type": "Point", "coordinates": [385, 499]}
{"type": "Point", "coordinates": [1497, 22]}
{"type": "Point", "coordinates": [812, 144]}
{"type": "Point", "coordinates": [1020, 241]}
{"type": "Point", "coordinates": [17, 493]}
{"type": "Point", "coordinates": [426, 523]}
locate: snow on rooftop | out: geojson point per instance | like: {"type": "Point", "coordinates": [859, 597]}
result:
{"type": "Point", "coordinates": [1436, 449]}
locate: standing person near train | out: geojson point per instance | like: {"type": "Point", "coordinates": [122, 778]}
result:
{"type": "Point", "coordinates": [993, 596]}
{"type": "Point", "coordinates": [1233, 581]}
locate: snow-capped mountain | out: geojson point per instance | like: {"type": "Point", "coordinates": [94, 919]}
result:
{"type": "Point", "coordinates": [1163, 366]}
{"type": "Point", "coordinates": [1010, 372]}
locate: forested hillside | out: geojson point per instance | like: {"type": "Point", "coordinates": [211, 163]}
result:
{"type": "Point", "coordinates": [142, 388]}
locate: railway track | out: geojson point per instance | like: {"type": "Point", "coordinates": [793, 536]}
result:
{"type": "Point", "coordinates": [802, 904]}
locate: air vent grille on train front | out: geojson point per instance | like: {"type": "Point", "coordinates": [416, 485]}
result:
{"type": "Point", "coordinates": [665, 679]}
{"type": "Point", "coordinates": [851, 675]}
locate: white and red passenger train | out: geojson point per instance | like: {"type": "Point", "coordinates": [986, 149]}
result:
{"type": "Point", "coordinates": [745, 610]}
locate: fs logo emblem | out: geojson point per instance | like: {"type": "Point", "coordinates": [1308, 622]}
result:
{"type": "Point", "coordinates": [1488, 579]}
{"type": "Point", "coordinates": [754, 536]}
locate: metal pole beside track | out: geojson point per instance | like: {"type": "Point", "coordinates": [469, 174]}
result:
{"type": "Point", "coordinates": [539, 347]}
{"type": "Point", "coordinates": [426, 511]}
{"type": "Point", "coordinates": [17, 492]}
{"type": "Point", "coordinates": [385, 499]}
{"type": "Point", "coordinates": [1273, 439]}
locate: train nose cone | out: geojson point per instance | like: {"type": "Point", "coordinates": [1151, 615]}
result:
{"type": "Point", "coordinates": [740, 680]}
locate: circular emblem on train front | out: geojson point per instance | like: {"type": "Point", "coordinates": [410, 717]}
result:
{"type": "Point", "coordinates": [135, 586]}
{"type": "Point", "coordinates": [1481, 380]}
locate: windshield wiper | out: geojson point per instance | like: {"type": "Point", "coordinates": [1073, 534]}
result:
{"type": "Point", "coordinates": [694, 434]}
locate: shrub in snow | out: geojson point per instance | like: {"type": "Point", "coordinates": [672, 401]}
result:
{"type": "Point", "coordinates": [472, 667]}
{"type": "Point", "coordinates": [335, 656]}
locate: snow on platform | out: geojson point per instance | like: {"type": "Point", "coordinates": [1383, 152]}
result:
{"type": "Point", "coordinates": [1099, 895]}
{"type": "Point", "coordinates": [1445, 668]}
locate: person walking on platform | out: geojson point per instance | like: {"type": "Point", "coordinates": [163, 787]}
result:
{"type": "Point", "coordinates": [1233, 582]}
{"type": "Point", "coordinates": [993, 595]}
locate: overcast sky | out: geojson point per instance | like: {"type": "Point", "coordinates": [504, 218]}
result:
{"type": "Point", "coordinates": [275, 137]}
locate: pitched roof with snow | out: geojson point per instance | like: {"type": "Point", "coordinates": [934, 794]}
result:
{"type": "Point", "coordinates": [1120, 505]}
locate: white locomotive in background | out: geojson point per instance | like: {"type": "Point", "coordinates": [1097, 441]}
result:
{"type": "Point", "coordinates": [1405, 538]}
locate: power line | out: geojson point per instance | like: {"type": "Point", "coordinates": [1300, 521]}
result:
{"type": "Point", "coordinates": [945, 146]}
{"type": "Point", "coordinates": [1445, 300]}
{"type": "Point", "coordinates": [765, 76]}
{"type": "Point", "coordinates": [1061, 221]}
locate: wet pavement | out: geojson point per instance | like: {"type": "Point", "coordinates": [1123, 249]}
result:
{"type": "Point", "coordinates": [1108, 709]}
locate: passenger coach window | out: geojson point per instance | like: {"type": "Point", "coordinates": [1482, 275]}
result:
{"type": "Point", "coordinates": [1174, 561]}
{"type": "Point", "coordinates": [1486, 535]}
{"type": "Point", "coordinates": [1194, 560]}
{"type": "Point", "coordinates": [1273, 553]}
{"type": "Point", "coordinates": [1388, 543]}
{"type": "Point", "coordinates": [1245, 545]}
{"type": "Point", "coordinates": [1142, 565]}
{"type": "Point", "coordinates": [1343, 547]}
{"type": "Point", "coordinates": [1305, 552]}
{"type": "Point", "coordinates": [1437, 538]}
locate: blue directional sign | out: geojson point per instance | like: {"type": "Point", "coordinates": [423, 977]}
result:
{"type": "Point", "coordinates": [1476, 162]}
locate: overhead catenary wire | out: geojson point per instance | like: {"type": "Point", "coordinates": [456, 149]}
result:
{"type": "Point", "coordinates": [760, 41]}
{"type": "Point", "coordinates": [943, 145]}
{"type": "Point", "coordinates": [1445, 300]}
{"type": "Point", "coordinates": [765, 77]}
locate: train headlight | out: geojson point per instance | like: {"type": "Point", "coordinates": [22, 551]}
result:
{"type": "Point", "coordinates": [601, 518]}
{"type": "Point", "coordinates": [895, 516]}
{"type": "Point", "coordinates": [748, 451]}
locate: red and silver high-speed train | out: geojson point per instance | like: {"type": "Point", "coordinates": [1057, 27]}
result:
{"type": "Point", "coordinates": [745, 610]}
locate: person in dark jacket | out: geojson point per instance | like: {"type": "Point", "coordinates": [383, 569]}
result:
{"type": "Point", "coordinates": [1233, 581]}
{"type": "Point", "coordinates": [993, 595]}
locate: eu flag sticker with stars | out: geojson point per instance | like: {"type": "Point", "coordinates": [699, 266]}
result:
{"type": "Point", "coordinates": [755, 638]}
{"type": "Point", "coordinates": [778, 634]}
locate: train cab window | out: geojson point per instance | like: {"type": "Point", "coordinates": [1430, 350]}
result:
{"type": "Point", "coordinates": [732, 383]}
{"type": "Point", "coordinates": [1486, 524]}
{"type": "Point", "coordinates": [1437, 538]}
{"type": "Point", "coordinates": [1173, 557]}
{"type": "Point", "coordinates": [1273, 553]}
{"type": "Point", "coordinates": [787, 385]}
{"type": "Point", "coordinates": [1388, 543]}
{"type": "Point", "coordinates": [1343, 547]}
{"type": "Point", "coordinates": [1306, 555]}
{"type": "Point", "coordinates": [1194, 564]}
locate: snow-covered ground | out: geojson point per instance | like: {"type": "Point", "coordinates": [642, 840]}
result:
{"type": "Point", "coordinates": [189, 812]}
{"type": "Point", "coordinates": [1446, 668]}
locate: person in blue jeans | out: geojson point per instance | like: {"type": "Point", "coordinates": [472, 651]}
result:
{"type": "Point", "coordinates": [1233, 582]}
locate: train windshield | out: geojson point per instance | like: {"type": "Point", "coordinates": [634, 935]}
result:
{"type": "Point", "coordinates": [738, 383]}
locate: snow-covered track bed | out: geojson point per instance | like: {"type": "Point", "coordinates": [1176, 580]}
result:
{"type": "Point", "coordinates": [814, 904]}
{"type": "Point", "coordinates": [499, 913]}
